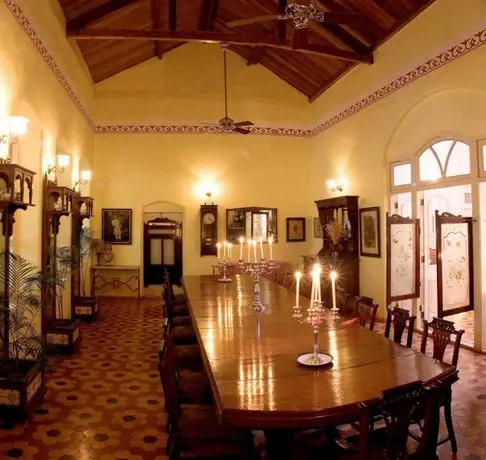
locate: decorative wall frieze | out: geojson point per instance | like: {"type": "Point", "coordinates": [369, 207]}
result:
{"type": "Point", "coordinates": [449, 55]}
{"type": "Point", "coordinates": [198, 129]}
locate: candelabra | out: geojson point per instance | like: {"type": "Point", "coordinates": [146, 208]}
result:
{"type": "Point", "coordinates": [256, 269]}
{"type": "Point", "coordinates": [315, 317]}
{"type": "Point", "coordinates": [223, 264]}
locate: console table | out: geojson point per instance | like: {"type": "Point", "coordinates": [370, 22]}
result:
{"type": "Point", "coordinates": [115, 280]}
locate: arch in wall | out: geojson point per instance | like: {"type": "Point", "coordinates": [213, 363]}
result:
{"type": "Point", "coordinates": [452, 113]}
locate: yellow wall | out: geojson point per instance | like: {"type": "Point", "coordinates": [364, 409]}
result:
{"type": "Point", "coordinates": [187, 87]}
{"type": "Point", "coordinates": [29, 88]}
{"type": "Point", "coordinates": [133, 171]}
{"type": "Point", "coordinates": [448, 102]}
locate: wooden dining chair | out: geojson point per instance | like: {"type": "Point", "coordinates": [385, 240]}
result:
{"type": "Point", "coordinates": [401, 320]}
{"type": "Point", "coordinates": [366, 311]}
{"type": "Point", "coordinates": [442, 333]}
{"type": "Point", "coordinates": [396, 408]}
{"type": "Point", "coordinates": [346, 303]}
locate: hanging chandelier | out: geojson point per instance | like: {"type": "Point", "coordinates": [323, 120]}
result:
{"type": "Point", "coordinates": [302, 14]}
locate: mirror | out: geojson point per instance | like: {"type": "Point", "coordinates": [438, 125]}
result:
{"type": "Point", "coordinates": [252, 223]}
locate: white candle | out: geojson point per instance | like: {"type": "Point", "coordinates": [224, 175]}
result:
{"type": "Point", "coordinates": [261, 247]}
{"type": "Point", "coordinates": [230, 250]}
{"type": "Point", "coordinates": [254, 250]}
{"type": "Point", "coordinates": [248, 244]}
{"type": "Point", "coordinates": [313, 289]}
{"type": "Point", "coordinates": [270, 242]}
{"type": "Point", "coordinates": [333, 286]}
{"type": "Point", "coordinates": [319, 289]}
{"type": "Point", "coordinates": [224, 248]}
{"type": "Point", "coordinates": [241, 247]}
{"type": "Point", "coordinates": [298, 275]}
{"type": "Point", "coordinates": [218, 245]}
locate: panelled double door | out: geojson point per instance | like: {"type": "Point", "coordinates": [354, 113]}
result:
{"type": "Point", "coordinates": [162, 251]}
{"type": "Point", "coordinates": [432, 259]}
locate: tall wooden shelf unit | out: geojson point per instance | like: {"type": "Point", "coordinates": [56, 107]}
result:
{"type": "Point", "coordinates": [344, 256]}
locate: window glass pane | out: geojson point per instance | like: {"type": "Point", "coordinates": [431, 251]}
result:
{"type": "Point", "coordinates": [402, 174]}
{"type": "Point", "coordinates": [484, 157]}
{"type": "Point", "coordinates": [442, 148]}
{"type": "Point", "coordinates": [155, 252]}
{"type": "Point", "coordinates": [169, 258]}
{"type": "Point", "coordinates": [401, 204]}
{"type": "Point", "coordinates": [459, 160]}
{"type": "Point", "coordinates": [429, 167]}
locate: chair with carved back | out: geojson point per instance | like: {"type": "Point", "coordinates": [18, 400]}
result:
{"type": "Point", "coordinates": [366, 311]}
{"type": "Point", "coordinates": [396, 408]}
{"type": "Point", "coordinates": [442, 333]}
{"type": "Point", "coordinates": [401, 320]}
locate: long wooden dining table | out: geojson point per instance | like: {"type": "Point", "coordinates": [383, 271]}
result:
{"type": "Point", "coordinates": [251, 361]}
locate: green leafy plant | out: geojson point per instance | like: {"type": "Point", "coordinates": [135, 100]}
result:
{"type": "Point", "coordinates": [20, 312]}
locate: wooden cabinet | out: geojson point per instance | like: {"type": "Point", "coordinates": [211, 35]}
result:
{"type": "Point", "coordinates": [340, 244]}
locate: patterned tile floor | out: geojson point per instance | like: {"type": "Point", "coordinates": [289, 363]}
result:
{"type": "Point", "coordinates": [105, 402]}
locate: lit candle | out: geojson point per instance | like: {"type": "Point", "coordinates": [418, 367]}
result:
{"type": "Point", "coordinates": [314, 286]}
{"type": "Point", "coordinates": [298, 275]}
{"type": "Point", "coordinates": [270, 242]}
{"type": "Point", "coordinates": [225, 248]}
{"type": "Point", "coordinates": [230, 250]}
{"type": "Point", "coordinates": [218, 245]}
{"type": "Point", "coordinates": [319, 289]}
{"type": "Point", "coordinates": [248, 244]}
{"type": "Point", "coordinates": [254, 250]}
{"type": "Point", "coordinates": [333, 286]}
{"type": "Point", "coordinates": [241, 240]}
{"type": "Point", "coordinates": [261, 247]}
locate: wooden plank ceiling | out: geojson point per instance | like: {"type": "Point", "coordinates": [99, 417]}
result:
{"type": "Point", "coordinates": [114, 35]}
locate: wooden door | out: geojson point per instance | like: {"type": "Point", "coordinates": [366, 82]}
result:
{"type": "Point", "coordinates": [162, 250]}
{"type": "Point", "coordinates": [455, 274]}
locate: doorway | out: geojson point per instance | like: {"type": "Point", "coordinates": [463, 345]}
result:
{"type": "Point", "coordinates": [162, 248]}
{"type": "Point", "coordinates": [456, 200]}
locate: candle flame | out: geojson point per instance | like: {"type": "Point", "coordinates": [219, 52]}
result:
{"type": "Point", "coordinates": [334, 275]}
{"type": "Point", "coordinates": [270, 240]}
{"type": "Point", "coordinates": [218, 245]}
{"type": "Point", "coordinates": [298, 275]}
{"type": "Point", "coordinates": [241, 240]}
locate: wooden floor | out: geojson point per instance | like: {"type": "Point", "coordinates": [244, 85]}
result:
{"type": "Point", "coordinates": [105, 403]}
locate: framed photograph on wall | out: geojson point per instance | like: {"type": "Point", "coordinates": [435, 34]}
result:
{"type": "Point", "coordinates": [318, 230]}
{"type": "Point", "coordinates": [116, 225]}
{"type": "Point", "coordinates": [295, 229]}
{"type": "Point", "coordinates": [370, 241]}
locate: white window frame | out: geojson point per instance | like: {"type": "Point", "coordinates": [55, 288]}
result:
{"type": "Point", "coordinates": [481, 143]}
{"type": "Point", "coordinates": [404, 187]}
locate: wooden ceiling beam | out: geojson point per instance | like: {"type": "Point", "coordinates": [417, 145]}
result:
{"type": "Point", "coordinates": [105, 9]}
{"type": "Point", "coordinates": [255, 56]}
{"type": "Point", "coordinates": [345, 37]}
{"type": "Point", "coordinates": [172, 15]}
{"type": "Point", "coordinates": [204, 36]}
{"type": "Point", "coordinates": [208, 14]}
{"type": "Point", "coordinates": [157, 24]}
{"type": "Point", "coordinates": [282, 25]}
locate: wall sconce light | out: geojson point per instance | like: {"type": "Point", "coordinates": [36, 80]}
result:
{"type": "Point", "coordinates": [16, 127]}
{"type": "Point", "coordinates": [86, 176]}
{"type": "Point", "coordinates": [62, 163]}
{"type": "Point", "coordinates": [334, 186]}
{"type": "Point", "coordinates": [209, 194]}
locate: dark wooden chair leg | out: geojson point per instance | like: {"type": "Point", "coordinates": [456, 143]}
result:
{"type": "Point", "coordinates": [449, 424]}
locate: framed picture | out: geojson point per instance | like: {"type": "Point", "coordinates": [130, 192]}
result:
{"type": "Point", "coordinates": [116, 225]}
{"type": "Point", "coordinates": [295, 229]}
{"type": "Point", "coordinates": [370, 241]}
{"type": "Point", "coordinates": [318, 230]}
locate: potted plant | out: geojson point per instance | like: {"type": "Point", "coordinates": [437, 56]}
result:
{"type": "Point", "coordinates": [22, 361]}
{"type": "Point", "coordinates": [64, 333]}
{"type": "Point", "coordinates": [85, 307]}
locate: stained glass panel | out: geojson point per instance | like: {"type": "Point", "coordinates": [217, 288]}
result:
{"type": "Point", "coordinates": [455, 266]}
{"type": "Point", "coordinates": [402, 259]}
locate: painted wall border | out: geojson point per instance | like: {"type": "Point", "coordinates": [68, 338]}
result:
{"type": "Point", "coordinates": [449, 55]}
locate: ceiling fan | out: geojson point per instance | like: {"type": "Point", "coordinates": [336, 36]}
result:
{"type": "Point", "coordinates": [301, 15]}
{"type": "Point", "coordinates": [227, 123]}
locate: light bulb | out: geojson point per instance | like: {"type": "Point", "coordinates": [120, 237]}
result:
{"type": "Point", "coordinates": [18, 126]}
{"type": "Point", "coordinates": [63, 160]}
{"type": "Point", "coordinates": [86, 175]}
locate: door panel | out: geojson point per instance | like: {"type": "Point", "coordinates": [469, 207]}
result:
{"type": "Point", "coordinates": [162, 250]}
{"type": "Point", "coordinates": [455, 273]}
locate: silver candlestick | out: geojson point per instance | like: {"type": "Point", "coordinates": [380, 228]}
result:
{"type": "Point", "coordinates": [256, 269]}
{"type": "Point", "coordinates": [223, 263]}
{"type": "Point", "coordinates": [315, 317]}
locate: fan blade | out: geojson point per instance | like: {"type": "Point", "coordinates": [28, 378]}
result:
{"type": "Point", "coordinates": [351, 19]}
{"type": "Point", "coordinates": [241, 130]}
{"type": "Point", "coordinates": [244, 123]}
{"type": "Point", "coordinates": [242, 22]}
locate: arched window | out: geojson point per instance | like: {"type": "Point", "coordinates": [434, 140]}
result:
{"type": "Point", "coordinates": [447, 158]}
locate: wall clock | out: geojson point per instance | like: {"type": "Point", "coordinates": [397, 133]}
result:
{"type": "Point", "coordinates": [209, 229]}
